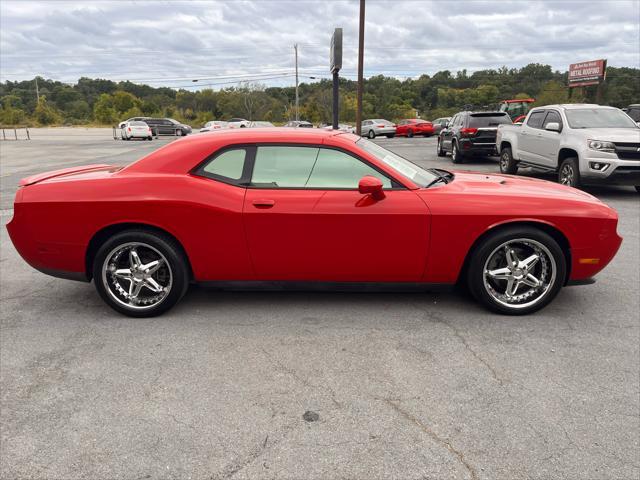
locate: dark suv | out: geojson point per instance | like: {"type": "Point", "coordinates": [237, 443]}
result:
{"type": "Point", "coordinates": [167, 126]}
{"type": "Point", "coordinates": [470, 133]}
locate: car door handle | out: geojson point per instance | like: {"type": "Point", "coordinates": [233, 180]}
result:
{"type": "Point", "coordinates": [262, 203]}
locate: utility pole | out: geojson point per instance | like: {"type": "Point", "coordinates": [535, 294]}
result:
{"type": "Point", "coordinates": [360, 69]}
{"type": "Point", "coordinates": [37, 91]}
{"type": "Point", "coordinates": [295, 49]}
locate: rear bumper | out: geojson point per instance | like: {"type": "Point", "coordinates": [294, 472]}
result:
{"type": "Point", "coordinates": [471, 146]}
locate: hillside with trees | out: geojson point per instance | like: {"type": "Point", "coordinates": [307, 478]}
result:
{"type": "Point", "coordinates": [104, 102]}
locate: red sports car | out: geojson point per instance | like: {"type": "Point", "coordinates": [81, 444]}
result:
{"type": "Point", "coordinates": [414, 126]}
{"type": "Point", "coordinates": [306, 207]}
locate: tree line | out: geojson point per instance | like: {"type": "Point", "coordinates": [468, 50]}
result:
{"type": "Point", "coordinates": [105, 102]}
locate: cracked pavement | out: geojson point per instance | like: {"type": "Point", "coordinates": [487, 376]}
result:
{"type": "Point", "coordinates": [406, 385]}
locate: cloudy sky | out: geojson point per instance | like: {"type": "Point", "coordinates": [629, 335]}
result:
{"type": "Point", "coordinates": [220, 43]}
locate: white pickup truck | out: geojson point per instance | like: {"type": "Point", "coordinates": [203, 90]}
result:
{"type": "Point", "coordinates": [583, 144]}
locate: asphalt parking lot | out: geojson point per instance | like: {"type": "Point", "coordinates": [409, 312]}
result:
{"type": "Point", "coordinates": [404, 385]}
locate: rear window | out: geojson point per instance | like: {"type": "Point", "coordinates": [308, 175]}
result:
{"type": "Point", "coordinates": [484, 120]}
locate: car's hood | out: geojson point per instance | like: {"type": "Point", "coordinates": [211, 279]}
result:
{"type": "Point", "coordinates": [515, 186]}
{"type": "Point", "coordinates": [611, 134]}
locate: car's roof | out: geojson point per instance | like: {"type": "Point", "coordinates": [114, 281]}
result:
{"type": "Point", "coordinates": [575, 106]}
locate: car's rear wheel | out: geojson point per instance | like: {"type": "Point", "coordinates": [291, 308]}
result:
{"type": "Point", "coordinates": [439, 149]}
{"type": "Point", "coordinates": [569, 174]}
{"type": "Point", "coordinates": [456, 156]}
{"type": "Point", "coordinates": [517, 270]}
{"type": "Point", "coordinates": [140, 273]}
{"type": "Point", "coordinates": [371, 134]}
{"type": "Point", "coordinates": [507, 163]}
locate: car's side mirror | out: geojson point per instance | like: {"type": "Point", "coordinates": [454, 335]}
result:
{"type": "Point", "coordinates": [553, 127]}
{"type": "Point", "coordinates": [372, 186]}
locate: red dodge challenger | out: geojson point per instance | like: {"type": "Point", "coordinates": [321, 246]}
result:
{"type": "Point", "coordinates": [306, 207]}
{"type": "Point", "coordinates": [414, 126]}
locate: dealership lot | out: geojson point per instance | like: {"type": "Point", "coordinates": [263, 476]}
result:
{"type": "Point", "coordinates": [404, 385]}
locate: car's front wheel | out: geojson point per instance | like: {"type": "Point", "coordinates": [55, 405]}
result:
{"type": "Point", "coordinates": [569, 174]}
{"type": "Point", "coordinates": [507, 163]}
{"type": "Point", "coordinates": [371, 134]}
{"type": "Point", "coordinates": [516, 270]}
{"type": "Point", "coordinates": [410, 133]}
{"type": "Point", "coordinates": [140, 273]}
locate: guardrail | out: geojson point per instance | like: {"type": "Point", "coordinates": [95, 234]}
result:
{"type": "Point", "coordinates": [6, 133]}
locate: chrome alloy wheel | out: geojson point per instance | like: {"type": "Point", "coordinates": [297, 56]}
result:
{"type": "Point", "coordinates": [567, 175]}
{"type": "Point", "coordinates": [519, 273]}
{"type": "Point", "coordinates": [504, 162]}
{"type": "Point", "coordinates": [137, 275]}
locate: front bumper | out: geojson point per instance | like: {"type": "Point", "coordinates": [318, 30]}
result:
{"type": "Point", "coordinates": [616, 171]}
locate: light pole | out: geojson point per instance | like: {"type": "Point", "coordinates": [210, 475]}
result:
{"type": "Point", "coordinates": [360, 69]}
{"type": "Point", "coordinates": [295, 49]}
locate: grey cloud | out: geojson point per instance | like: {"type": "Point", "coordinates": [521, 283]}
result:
{"type": "Point", "coordinates": [149, 40]}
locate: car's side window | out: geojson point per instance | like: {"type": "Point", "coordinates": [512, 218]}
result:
{"type": "Point", "coordinates": [536, 118]}
{"type": "Point", "coordinates": [552, 117]}
{"type": "Point", "coordinates": [227, 166]}
{"type": "Point", "coordinates": [283, 166]}
{"type": "Point", "coordinates": [336, 169]}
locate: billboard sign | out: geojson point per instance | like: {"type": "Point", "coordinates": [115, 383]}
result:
{"type": "Point", "coordinates": [335, 54]}
{"type": "Point", "coordinates": [592, 72]}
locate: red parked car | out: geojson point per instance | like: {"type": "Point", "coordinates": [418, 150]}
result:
{"type": "Point", "coordinates": [306, 207]}
{"type": "Point", "coordinates": [414, 126]}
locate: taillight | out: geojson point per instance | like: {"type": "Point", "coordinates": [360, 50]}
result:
{"type": "Point", "coordinates": [128, 129]}
{"type": "Point", "coordinates": [468, 132]}
{"type": "Point", "coordinates": [380, 126]}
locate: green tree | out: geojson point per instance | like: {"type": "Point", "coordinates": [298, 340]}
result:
{"type": "Point", "coordinates": [45, 114]}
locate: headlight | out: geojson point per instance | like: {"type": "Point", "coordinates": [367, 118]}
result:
{"type": "Point", "coordinates": [601, 146]}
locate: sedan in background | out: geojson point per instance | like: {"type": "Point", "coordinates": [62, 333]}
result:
{"type": "Point", "coordinates": [132, 119]}
{"type": "Point", "coordinates": [414, 126]}
{"type": "Point", "coordinates": [439, 124]}
{"type": "Point", "coordinates": [299, 124]}
{"type": "Point", "coordinates": [135, 129]}
{"type": "Point", "coordinates": [308, 209]}
{"type": "Point", "coordinates": [238, 123]}
{"type": "Point", "coordinates": [214, 125]}
{"type": "Point", "coordinates": [376, 127]}
{"type": "Point", "coordinates": [261, 125]}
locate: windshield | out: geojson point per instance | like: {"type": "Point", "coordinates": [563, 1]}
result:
{"type": "Point", "coordinates": [417, 175]}
{"type": "Point", "coordinates": [598, 118]}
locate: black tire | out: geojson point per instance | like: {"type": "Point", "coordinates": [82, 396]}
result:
{"type": "Point", "coordinates": [371, 134]}
{"type": "Point", "coordinates": [176, 265]}
{"type": "Point", "coordinates": [179, 133]}
{"type": "Point", "coordinates": [149, 138]}
{"type": "Point", "coordinates": [569, 173]}
{"type": "Point", "coordinates": [507, 163]}
{"type": "Point", "coordinates": [439, 150]}
{"type": "Point", "coordinates": [456, 155]}
{"type": "Point", "coordinates": [391, 135]}
{"type": "Point", "coordinates": [410, 133]}
{"type": "Point", "coordinates": [491, 244]}
{"type": "Point", "coordinates": [637, 187]}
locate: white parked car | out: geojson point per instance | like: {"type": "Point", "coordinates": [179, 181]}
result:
{"type": "Point", "coordinates": [214, 125]}
{"type": "Point", "coordinates": [261, 125]}
{"type": "Point", "coordinates": [583, 144]}
{"type": "Point", "coordinates": [238, 123]}
{"type": "Point", "coordinates": [135, 129]}
{"type": "Point", "coordinates": [343, 127]}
